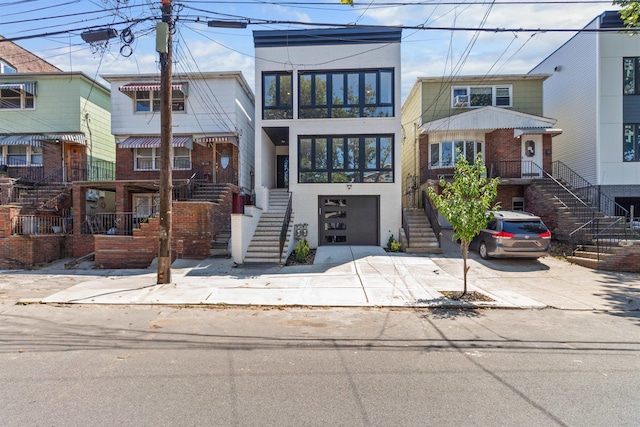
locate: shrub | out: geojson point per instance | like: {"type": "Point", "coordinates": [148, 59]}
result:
{"type": "Point", "coordinates": [302, 250]}
{"type": "Point", "coordinates": [393, 245]}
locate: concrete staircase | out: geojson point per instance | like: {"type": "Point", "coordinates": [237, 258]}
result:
{"type": "Point", "coordinates": [420, 235]}
{"type": "Point", "coordinates": [46, 197]}
{"type": "Point", "coordinates": [265, 244]}
{"type": "Point", "coordinates": [210, 192]}
{"type": "Point", "coordinates": [220, 245]}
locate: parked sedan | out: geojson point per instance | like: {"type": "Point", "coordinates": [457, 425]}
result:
{"type": "Point", "coordinates": [513, 234]}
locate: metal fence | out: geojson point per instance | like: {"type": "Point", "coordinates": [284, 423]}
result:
{"type": "Point", "coordinates": [36, 224]}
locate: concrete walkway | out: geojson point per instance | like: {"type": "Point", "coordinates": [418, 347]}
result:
{"type": "Point", "coordinates": [367, 276]}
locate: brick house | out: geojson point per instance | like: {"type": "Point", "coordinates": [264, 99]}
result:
{"type": "Point", "coordinates": [213, 155]}
{"type": "Point", "coordinates": [498, 116]}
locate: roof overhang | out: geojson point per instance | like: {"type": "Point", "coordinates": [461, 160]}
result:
{"type": "Point", "coordinates": [488, 119]}
{"type": "Point", "coordinates": [130, 88]}
{"type": "Point", "coordinates": [154, 142]}
{"type": "Point", "coordinates": [536, 131]}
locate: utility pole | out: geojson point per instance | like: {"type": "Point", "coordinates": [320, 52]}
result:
{"type": "Point", "coordinates": [163, 32]}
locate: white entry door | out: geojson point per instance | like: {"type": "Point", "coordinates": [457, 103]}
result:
{"type": "Point", "coordinates": [531, 156]}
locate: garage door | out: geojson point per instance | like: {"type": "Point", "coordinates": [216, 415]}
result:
{"type": "Point", "coordinates": [348, 220]}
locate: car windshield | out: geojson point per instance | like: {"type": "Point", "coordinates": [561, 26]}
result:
{"type": "Point", "coordinates": [524, 227]}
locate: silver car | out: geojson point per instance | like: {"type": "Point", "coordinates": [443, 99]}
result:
{"type": "Point", "coordinates": [513, 234]}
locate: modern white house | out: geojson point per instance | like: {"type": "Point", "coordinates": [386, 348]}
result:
{"type": "Point", "coordinates": [594, 93]}
{"type": "Point", "coordinates": [328, 135]}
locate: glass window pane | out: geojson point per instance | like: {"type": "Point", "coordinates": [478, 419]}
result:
{"type": "Point", "coordinates": [503, 98]}
{"type": "Point", "coordinates": [321, 89]}
{"type": "Point", "coordinates": [629, 76]}
{"type": "Point", "coordinates": [386, 87]}
{"type": "Point", "coordinates": [269, 87]}
{"type": "Point", "coordinates": [36, 155]}
{"type": "Point", "coordinates": [285, 90]}
{"type": "Point", "coordinates": [447, 154]}
{"type": "Point", "coordinates": [305, 154]}
{"type": "Point", "coordinates": [321, 153]}
{"type": "Point", "coordinates": [470, 155]}
{"type": "Point", "coordinates": [628, 145]}
{"type": "Point", "coordinates": [305, 90]}
{"type": "Point", "coordinates": [353, 89]}
{"type": "Point", "coordinates": [458, 146]}
{"type": "Point", "coordinates": [353, 153]}
{"type": "Point", "coordinates": [435, 154]}
{"type": "Point", "coordinates": [314, 177]}
{"type": "Point", "coordinates": [386, 150]}
{"type": "Point", "coordinates": [370, 153]}
{"type": "Point", "coordinates": [481, 96]}
{"type": "Point", "coordinates": [337, 89]}
{"type": "Point", "coordinates": [337, 154]}
{"type": "Point", "coordinates": [370, 87]}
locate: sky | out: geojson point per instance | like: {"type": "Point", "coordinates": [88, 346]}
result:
{"type": "Point", "coordinates": [52, 30]}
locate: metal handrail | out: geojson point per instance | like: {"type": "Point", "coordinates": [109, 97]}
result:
{"type": "Point", "coordinates": [285, 226]}
{"type": "Point", "coordinates": [592, 193]}
{"type": "Point", "coordinates": [432, 215]}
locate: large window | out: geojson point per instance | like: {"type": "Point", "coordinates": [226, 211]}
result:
{"type": "Point", "coordinates": [481, 96]}
{"type": "Point", "coordinates": [346, 94]}
{"type": "Point", "coordinates": [631, 143]}
{"type": "Point", "coordinates": [6, 68]}
{"type": "Point", "coordinates": [345, 159]}
{"type": "Point", "coordinates": [443, 154]}
{"type": "Point", "coordinates": [276, 96]}
{"type": "Point", "coordinates": [149, 101]}
{"type": "Point", "coordinates": [15, 99]}
{"type": "Point", "coordinates": [20, 155]}
{"type": "Point", "coordinates": [149, 158]}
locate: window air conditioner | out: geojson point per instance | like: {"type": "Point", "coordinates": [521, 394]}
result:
{"type": "Point", "coordinates": [461, 101]}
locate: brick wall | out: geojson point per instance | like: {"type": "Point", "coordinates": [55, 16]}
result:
{"type": "Point", "coordinates": [501, 145]}
{"type": "Point", "coordinates": [201, 156]}
{"type": "Point", "coordinates": [506, 193]}
{"type": "Point", "coordinates": [624, 258]}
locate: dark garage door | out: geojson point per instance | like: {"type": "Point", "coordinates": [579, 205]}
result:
{"type": "Point", "coordinates": [348, 220]}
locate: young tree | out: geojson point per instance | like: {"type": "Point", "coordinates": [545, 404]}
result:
{"type": "Point", "coordinates": [630, 12]}
{"type": "Point", "coordinates": [464, 202]}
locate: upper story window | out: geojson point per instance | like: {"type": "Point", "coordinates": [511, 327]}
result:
{"type": "Point", "coordinates": [631, 143]}
{"type": "Point", "coordinates": [481, 96]}
{"type": "Point", "coordinates": [276, 96]}
{"type": "Point", "coordinates": [17, 96]}
{"type": "Point", "coordinates": [337, 94]}
{"type": "Point", "coordinates": [149, 100]}
{"type": "Point", "coordinates": [630, 73]}
{"type": "Point", "coordinates": [345, 159]}
{"type": "Point", "coordinates": [6, 68]}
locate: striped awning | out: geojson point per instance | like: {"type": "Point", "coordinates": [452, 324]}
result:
{"type": "Point", "coordinates": [28, 87]}
{"type": "Point", "coordinates": [154, 142]}
{"type": "Point", "coordinates": [76, 138]}
{"type": "Point", "coordinates": [32, 140]}
{"type": "Point", "coordinates": [134, 87]}
{"type": "Point", "coordinates": [212, 139]}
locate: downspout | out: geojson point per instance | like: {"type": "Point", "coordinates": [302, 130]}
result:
{"type": "Point", "coordinates": [87, 121]}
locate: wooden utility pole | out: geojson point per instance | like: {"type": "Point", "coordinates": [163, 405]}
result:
{"type": "Point", "coordinates": [166, 146]}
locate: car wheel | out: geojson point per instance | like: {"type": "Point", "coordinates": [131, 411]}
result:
{"type": "Point", "coordinates": [483, 250]}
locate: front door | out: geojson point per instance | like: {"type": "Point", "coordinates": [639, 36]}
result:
{"type": "Point", "coordinates": [282, 179]}
{"type": "Point", "coordinates": [531, 156]}
{"type": "Point", "coordinates": [225, 172]}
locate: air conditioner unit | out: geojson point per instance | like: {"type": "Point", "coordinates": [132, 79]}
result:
{"type": "Point", "coordinates": [461, 101]}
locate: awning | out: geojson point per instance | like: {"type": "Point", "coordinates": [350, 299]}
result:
{"type": "Point", "coordinates": [134, 87]}
{"type": "Point", "coordinates": [154, 142]}
{"type": "Point", "coordinates": [536, 131]}
{"type": "Point", "coordinates": [32, 140]}
{"type": "Point", "coordinates": [212, 139]}
{"type": "Point", "coordinates": [29, 87]}
{"type": "Point", "coordinates": [76, 138]}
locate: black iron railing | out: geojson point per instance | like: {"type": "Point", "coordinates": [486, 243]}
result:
{"type": "Point", "coordinates": [432, 214]}
{"type": "Point", "coordinates": [285, 226]}
{"type": "Point", "coordinates": [37, 224]}
{"type": "Point", "coordinates": [117, 224]}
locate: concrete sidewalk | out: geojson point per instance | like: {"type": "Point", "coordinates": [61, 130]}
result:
{"type": "Point", "coordinates": [367, 276]}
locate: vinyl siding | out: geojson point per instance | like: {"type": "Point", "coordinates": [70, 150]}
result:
{"type": "Point", "coordinates": [570, 96]}
{"type": "Point", "coordinates": [411, 112]}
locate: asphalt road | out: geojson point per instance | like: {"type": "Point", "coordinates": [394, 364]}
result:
{"type": "Point", "coordinates": [150, 366]}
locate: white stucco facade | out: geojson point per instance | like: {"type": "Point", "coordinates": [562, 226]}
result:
{"type": "Point", "coordinates": [337, 56]}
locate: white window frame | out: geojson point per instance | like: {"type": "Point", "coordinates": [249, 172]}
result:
{"type": "Point", "coordinates": [178, 98]}
{"type": "Point", "coordinates": [155, 159]}
{"type": "Point", "coordinates": [31, 152]}
{"type": "Point", "coordinates": [440, 165]}
{"type": "Point", "coordinates": [23, 101]}
{"type": "Point", "coordinates": [466, 91]}
{"type": "Point", "coordinates": [6, 68]}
